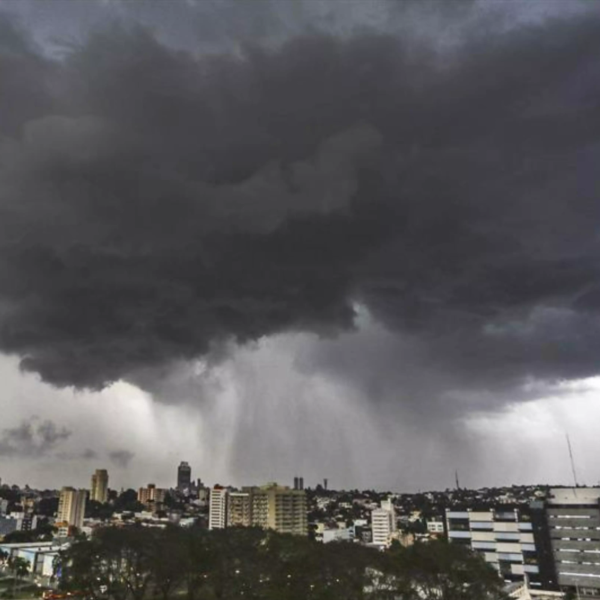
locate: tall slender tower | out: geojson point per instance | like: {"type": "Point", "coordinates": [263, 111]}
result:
{"type": "Point", "coordinates": [99, 491]}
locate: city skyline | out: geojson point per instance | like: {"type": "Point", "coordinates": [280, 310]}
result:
{"type": "Point", "coordinates": [147, 490]}
{"type": "Point", "coordinates": [379, 271]}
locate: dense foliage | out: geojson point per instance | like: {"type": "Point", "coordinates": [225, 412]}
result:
{"type": "Point", "coordinates": [44, 532]}
{"type": "Point", "coordinates": [138, 563]}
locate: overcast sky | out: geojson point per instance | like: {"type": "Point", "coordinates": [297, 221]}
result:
{"type": "Point", "coordinates": [353, 240]}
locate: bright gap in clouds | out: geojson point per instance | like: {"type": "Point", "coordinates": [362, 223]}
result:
{"type": "Point", "coordinates": [531, 437]}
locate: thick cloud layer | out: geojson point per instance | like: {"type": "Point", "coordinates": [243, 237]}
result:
{"type": "Point", "coordinates": [32, 439]}
{"type": "Point", "coordinates": [155, 204]}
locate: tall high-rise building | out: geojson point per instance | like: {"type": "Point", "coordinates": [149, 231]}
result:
{"type": "Point", "coordinates": [280, 508]}
{"type": "Point", "coordinates": [217, 515]}
{"type": "Point", "coordinates": [71, 506]}
{"type": "Point", "coordinates": [239, 509]}
{"type": "Point", "coordinates": [383, 524]}
{"type": "Point", "coordinates": [99, 489]}
{"type": "Point", "coordinates": [573, 520]}
{"type": "Point", "coordinates": [184, 476]}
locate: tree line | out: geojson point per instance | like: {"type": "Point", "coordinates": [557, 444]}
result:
{"type": "Point", "coordinates": [142, 563]}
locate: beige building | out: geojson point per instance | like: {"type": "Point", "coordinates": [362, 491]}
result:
{"type": "Point", "coordinates": [151, 495]}
{"type": "Point", "coordinates": [99, 489]}
{"type": "Point", "coordinates": [280, 508]}
{"type": "Point", "coordinates": [239, 509]}
{"type": "Point", "coordinates": [71, 506]}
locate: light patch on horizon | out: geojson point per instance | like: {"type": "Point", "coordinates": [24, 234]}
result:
{"type": "Point", "coordinates": [530, 438]}
{"type": "Point", "coordinates": [326, 431]}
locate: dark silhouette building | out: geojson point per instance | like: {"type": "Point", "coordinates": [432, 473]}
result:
{"type": "Point", "coordinates": [184, 476]}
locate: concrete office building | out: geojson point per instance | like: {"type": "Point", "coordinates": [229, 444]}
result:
{"type": "Point", "coordinates": [383, 524]}
{"type": "Point", "coordinates": [71, 507]}
{"type": "Point", "coordinates": [217, 512]}
{"type": "Point", "coordinates": [573, 518]}
{"type": "Point", "coordinates": [184, 477]}
{"type": "Point", "coordinates": [99, 488]}
{"type": "Point", "coordinates": [511, 539]}
{"type": "Point", "coordinates": [239, 509]}
{"type": "Point", "coordinates": [280, 508]}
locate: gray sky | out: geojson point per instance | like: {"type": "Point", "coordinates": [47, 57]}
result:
{"type": "Point", "coordinates": [346, 240]}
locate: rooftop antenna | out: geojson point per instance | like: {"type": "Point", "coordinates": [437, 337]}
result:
{"type": "Point", "coordinates": [572, 460]}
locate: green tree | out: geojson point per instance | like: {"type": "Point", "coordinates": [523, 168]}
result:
{"type": "Point", "coordinates": [199, 558]}
{"type": "Point", "coordinates": [137, 563]}
{"type": "Point", "coordinates": [167, 561]}
{"type": "Point", "coordinates": [127, 501]}
{"type": "Point", "coordinates": [99, 510]}
{"type": "Point", "coordinates": [20, 568]}
{"type": "Point", "coordinates": [47, 507]}
{"type": "Point", "coordinates": [438, 570]}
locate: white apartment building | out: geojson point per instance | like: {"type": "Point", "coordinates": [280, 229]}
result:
{"type": "Point", "coordinates": [434, 526]}
{"type": "Point", "coordinates": [383, 524]}
{"type": "Point", "coordinates": [217, 515]}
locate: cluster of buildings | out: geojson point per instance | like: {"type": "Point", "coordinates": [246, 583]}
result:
{"type": "Point", "coordinates": [20, 520]}
{"type": "Point", "coordinates": [543, 542]}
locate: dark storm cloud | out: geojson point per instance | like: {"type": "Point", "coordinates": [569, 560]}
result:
{"type": "Point", "coordinates": [87, 454]}
{"type": "Point", "coordinates": [155, 205]}
{"type": "Point", "coordinates": [32, 438]}
{"type": "Point", "coordinates": [121, 458]}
